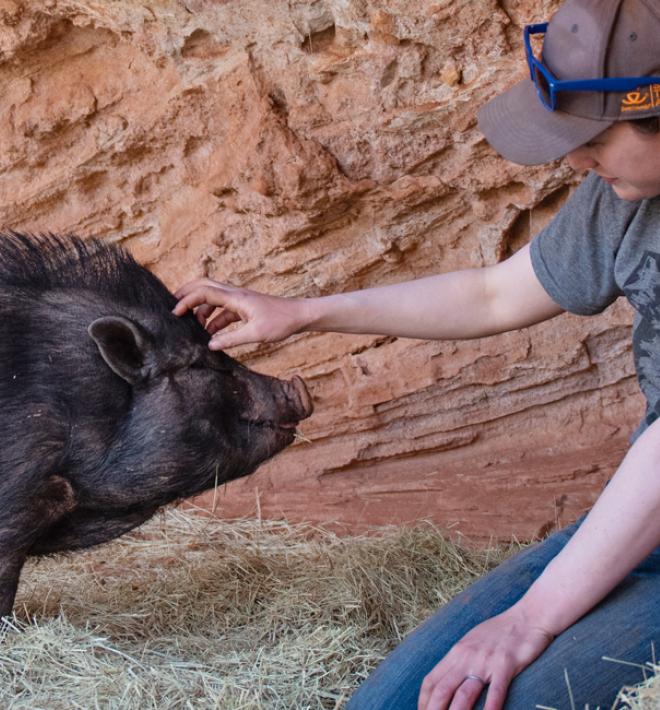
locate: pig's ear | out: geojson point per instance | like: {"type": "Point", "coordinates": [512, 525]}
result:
{"type": "Point", "coordinates": [124, 345]}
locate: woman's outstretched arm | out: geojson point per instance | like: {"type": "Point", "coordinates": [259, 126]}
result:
{"type": "Point", "coordinates": [471, 303]}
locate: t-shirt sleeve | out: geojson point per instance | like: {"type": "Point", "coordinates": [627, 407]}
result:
{"type": "Point", "coordinates": [574, 256]}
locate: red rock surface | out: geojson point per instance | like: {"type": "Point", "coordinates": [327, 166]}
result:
{"type": "Point", "coordinates": [309, 147]}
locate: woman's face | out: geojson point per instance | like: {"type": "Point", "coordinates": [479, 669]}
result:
{"type": "Point", "coordinates": [625, 157]}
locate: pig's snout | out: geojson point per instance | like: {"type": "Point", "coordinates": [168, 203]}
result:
{"type": "Point", "coordinates": [281, 403]}
{"type": "Point", "coordinates": [297, 394]}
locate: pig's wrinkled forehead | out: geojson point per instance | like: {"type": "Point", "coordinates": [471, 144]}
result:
{"type": "Point", "coordinates": [186, 337]}
{"type": "Point", "coordinates": [189, 327]}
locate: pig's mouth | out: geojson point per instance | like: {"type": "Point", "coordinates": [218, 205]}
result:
{"type": "Point", "coordinates": [264, 437]}
{"type": "Point", "coordinates": [274, 426]}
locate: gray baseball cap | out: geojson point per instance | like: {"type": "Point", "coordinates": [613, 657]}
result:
{"type": "Point", "coordinates": [585, 39]}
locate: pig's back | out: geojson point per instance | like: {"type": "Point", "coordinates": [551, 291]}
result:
{"type": "Point", "coordinates": [51, 262]}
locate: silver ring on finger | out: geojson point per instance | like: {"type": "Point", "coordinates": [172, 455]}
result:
{"type": "Point", "coordinates": [471, 676]}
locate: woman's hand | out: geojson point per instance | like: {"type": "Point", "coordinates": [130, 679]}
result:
{"type": "Point", "coordinates": [494, 652]}
{"type": "Point", "coordinates": [265, 318]}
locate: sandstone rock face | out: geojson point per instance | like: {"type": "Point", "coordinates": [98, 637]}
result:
{"type": "Point", "coordinates": [314, 146]}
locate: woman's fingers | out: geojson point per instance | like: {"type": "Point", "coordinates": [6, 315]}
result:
{"type": "Point", "coordinates": [437, 685]}
{"type": "Point", "coordinates": [199, 296]}
{"type": "Point", "coordinates": [204, 299]}
{"type": "Point", "coordinates": [240, 336]}
{"type": "Point", "coordinates": [204, 311]}
{"type": "Point", "coordinates": [263, 318]}
{"type": "Point", "coordinates": [202, 314]}
{"type": "Point", "coordinates": [497, 691]}
{"type": "Point", "coordinates": [460, 691]}
{"type": "Point", "coordinates": [467, 694]}
{"type": "Point", "coordinates": [196, 284]}
{"type": "Point", "coordinates": [222, 320]}
{"type": "Point", "coordinates": [455, 690]}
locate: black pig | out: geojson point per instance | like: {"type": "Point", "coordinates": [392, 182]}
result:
{"type": "Point", "coordinates": [111, 406]}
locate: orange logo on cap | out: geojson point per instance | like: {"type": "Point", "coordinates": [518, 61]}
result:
{"type": "Point", "coordinates": [641, 99]}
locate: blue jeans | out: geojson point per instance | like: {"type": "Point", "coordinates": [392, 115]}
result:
{"type": "Point", "coordinates": [622, 626]}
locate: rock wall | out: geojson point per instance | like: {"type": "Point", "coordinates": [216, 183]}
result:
{"type": "Point", "coordinates": [316, 146]}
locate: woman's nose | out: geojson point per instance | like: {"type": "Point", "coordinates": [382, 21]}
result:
{"type": "Point", "coordinates": [581, 159]}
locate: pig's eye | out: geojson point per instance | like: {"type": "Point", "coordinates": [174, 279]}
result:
{"type": "Point", "coordinates": [205, 425]}
{"type": "Point", "coordinates": [218, 367]}
{"type": "Point", "coordinates": [209, 367]}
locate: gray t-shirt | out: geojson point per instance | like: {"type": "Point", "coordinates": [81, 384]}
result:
{"type": "Point", "coordinates": [600, 247]}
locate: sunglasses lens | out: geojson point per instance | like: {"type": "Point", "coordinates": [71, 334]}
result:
{"type": "Point", "coordinates": [543, 88]}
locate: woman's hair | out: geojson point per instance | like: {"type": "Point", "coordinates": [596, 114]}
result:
{"type": "Point", "coordinates": [650, 125]}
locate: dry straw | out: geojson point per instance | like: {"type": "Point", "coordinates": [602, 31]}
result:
{"type": "Point", "coordinates": [194, 612]}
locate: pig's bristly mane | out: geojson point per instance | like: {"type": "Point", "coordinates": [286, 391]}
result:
{"type": "Point", "coordinates": [48, 261]}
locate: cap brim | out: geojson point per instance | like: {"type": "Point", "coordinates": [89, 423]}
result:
{"type": "Point", "coordinates": [522, 130]}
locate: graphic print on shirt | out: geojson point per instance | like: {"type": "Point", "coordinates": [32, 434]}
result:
{"type": "Point", "coordinates": [643, 291]}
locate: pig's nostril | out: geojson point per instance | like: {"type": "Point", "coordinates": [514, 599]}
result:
{"type": "Point", "coordinates": [302, 395]}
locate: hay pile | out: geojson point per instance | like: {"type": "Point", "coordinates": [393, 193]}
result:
{"type": "Point", "coordinates": [645, 696]}
{"type": "Point", "coordinates": [193, 612]}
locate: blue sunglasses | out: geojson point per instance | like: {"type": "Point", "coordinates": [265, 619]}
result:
{"type": "Point", "coordinates": [548, 86]}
